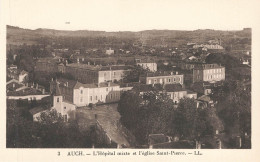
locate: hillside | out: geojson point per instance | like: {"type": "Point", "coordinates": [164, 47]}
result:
{"type": "Point", "coordinates": [19, 36]}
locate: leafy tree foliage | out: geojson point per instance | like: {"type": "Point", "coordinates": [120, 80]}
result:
{"type": "Point", "coordinates": [154, 112]}
{"type": "Point", "coordinates": [234, 106]}
{"type": "Point", "coordinates": [51, 132]}
{"type": "Point", "coordinates": [227, 61]}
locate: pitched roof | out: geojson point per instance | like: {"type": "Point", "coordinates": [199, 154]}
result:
{"type": "Point", "coordinates": [208, 66]}
{"type": "Point", "coordinates": [25, 92]}
{"type": "Point", "coordinates": [165, 73]}
{"type": "Point", "coordinates": [37, 110]}
{"type": "Point", "coordinates": [115, 67]}
{"type": "Point", "coordinates": [76, 84]}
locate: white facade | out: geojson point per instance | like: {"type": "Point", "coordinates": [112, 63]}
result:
{"type": "Point", "coordinates": [84, 96]}
{"type": "Point", "coordinates": [176, 96]}
{"type": "Point", "coordinates": [151, 66]}
{"type": "Point", "coordinates": [22, 77]}
{"type": "Point", "coordinates": [110, 75]}
{"type": "Point", "coordinates": [110, 51]}
{"type": "Point", "coordinates": [67, 110]}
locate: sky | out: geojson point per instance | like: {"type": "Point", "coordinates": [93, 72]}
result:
{"type": "Point", "coordinates": [131, 15]}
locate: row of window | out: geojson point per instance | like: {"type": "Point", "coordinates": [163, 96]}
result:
{"type": "Point", "coordinates": [81, 91]}
{"type": "Point", "coordinates": [215, 76]}
{"type": "Point", "coordinates": [213, 71]}
{"type": "Point", "coordinates": [166, 80]}
{"type": "Point", "coordinates": [96, 98]}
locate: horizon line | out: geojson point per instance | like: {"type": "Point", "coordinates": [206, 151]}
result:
{"type": "Point", "coordinates": [25, 28]}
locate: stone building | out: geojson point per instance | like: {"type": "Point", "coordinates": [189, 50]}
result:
{"type": "Point", "coordinates": [86, 73]}
{"type": "Point", "coordinates": [81, 94]}
{"type": "Point", "coordinates": [150, 65]}
{"type": "Point", "coordinates": [208, 73]}
{"type": "Point", "coordinates": [162, 78]}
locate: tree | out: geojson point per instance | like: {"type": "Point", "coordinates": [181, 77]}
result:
{"type": "Point", "coordinates": [234, 106]}
{"type": "Point", "coordinates": [134, 74]}
{"type": "Point", "coordinates": [143, 115]}
{"type": "Point", "coordinates": [51, 132]}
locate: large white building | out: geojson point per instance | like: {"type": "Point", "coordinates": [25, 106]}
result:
{"type": "Point", "coordinates": [152, 66]}
{"type": "Point", "coordinates": [208, 73]}
{"type": "Point", "coordinates": [162, 78]}
{"type": "Point", "coordinates": [81, 94]}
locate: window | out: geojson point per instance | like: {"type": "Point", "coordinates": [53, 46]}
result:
{"type": "Point", "coordinates": [169, 80]}
{"type": "Point", "coordinates": [65, 108]}
{"type": "Point", "coordinates": [174, 79]}
{"type": "Point", "coordinates": [90, 98]}
{"type": "Point", "coordinates": [58, 99]}
{"type": "Point", "coordinates": [155, 81]}
{"type": "Point", "coordinates": [81, 91]}
{"type": "Point", "coordinates": [114, 73]}
{"type": "Point", "coordinates": [111, 96]}
{"type": "Point", "coordinates": [107, 89]}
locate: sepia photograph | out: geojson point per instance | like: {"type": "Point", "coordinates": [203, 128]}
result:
{"type": "Point", "coordinates": [140, 75]}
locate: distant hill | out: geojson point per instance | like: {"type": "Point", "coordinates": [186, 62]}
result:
{"type": "Point", "coordinates": [19, 36]}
